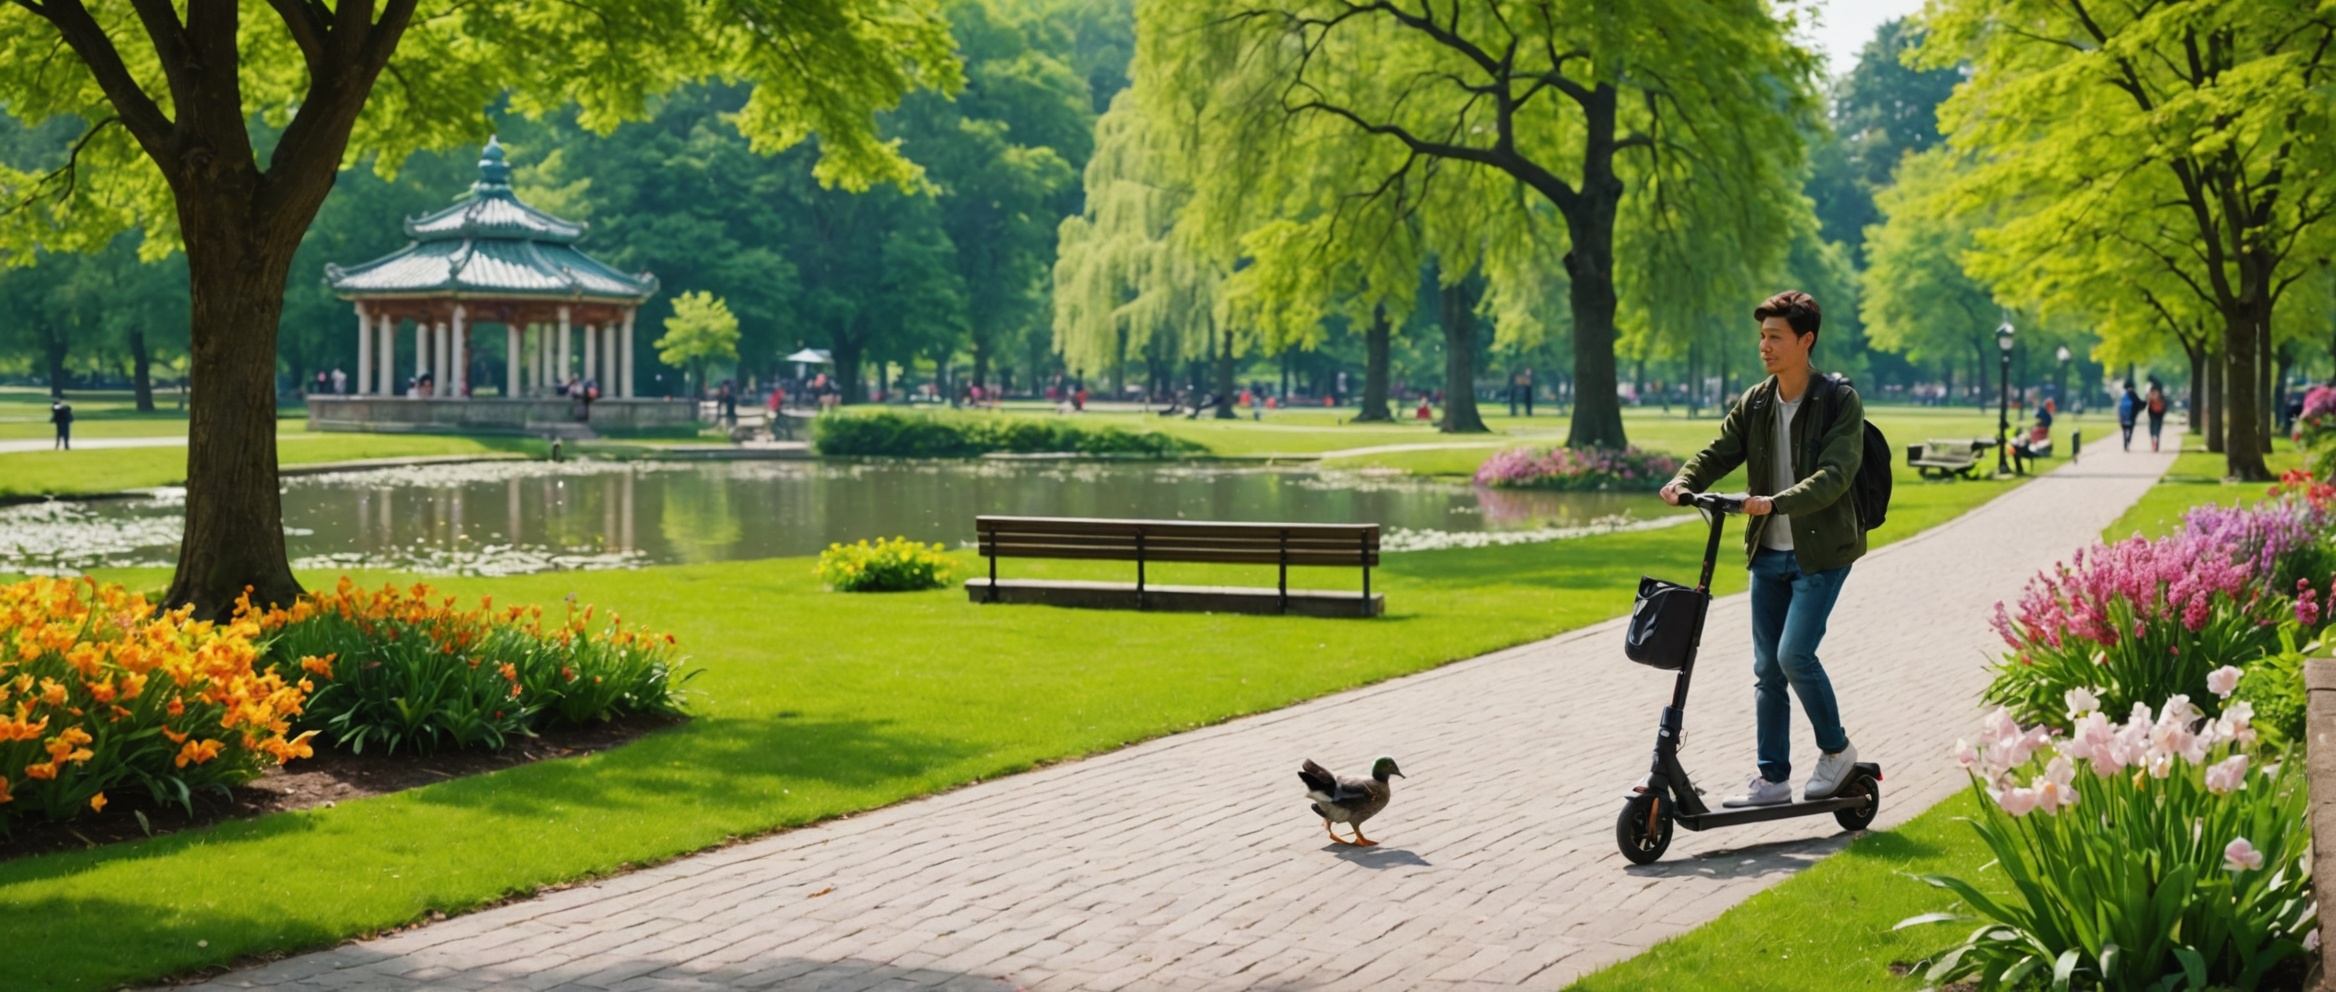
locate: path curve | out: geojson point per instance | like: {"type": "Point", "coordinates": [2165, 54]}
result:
{"type": "Point", "coordinates": [1191, 863]}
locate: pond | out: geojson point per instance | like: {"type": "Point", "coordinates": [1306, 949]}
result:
{"type": "Point", "coordinates": [499, 518]}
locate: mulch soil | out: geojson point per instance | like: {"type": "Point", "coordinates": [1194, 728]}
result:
{"type": "Point", "coordinates": [330, 777]}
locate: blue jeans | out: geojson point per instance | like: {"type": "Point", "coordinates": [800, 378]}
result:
{"type": "Point", "coordinates": [1789, 609]}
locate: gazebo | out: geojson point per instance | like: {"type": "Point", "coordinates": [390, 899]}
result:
{"type": "Point", "coordinates": [492, 259]}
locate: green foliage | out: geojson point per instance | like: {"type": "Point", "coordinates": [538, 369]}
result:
{"type": "Point", "coordinates": [2274, 686]}
{"type": "Point", "coordinates": [403, 671]}
{"type": "Point", "coordinates": [888, 433]}
{"type": "Point", "coordinates": [701, 330]}
{"type": "Point", "coordinates": [2136, 860]}
{"type": "Point", "coordinates": [896, 565]}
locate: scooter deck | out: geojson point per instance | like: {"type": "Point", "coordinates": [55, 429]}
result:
{"type": "Point", "coordinates": [1757, 814]}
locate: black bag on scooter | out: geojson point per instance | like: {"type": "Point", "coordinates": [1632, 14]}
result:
{"type": "Point", "coordinates": [1662, 624]}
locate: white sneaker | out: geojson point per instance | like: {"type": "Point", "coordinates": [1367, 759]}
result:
{"type": "Point", "coordinates": [1761, 792]}
{"type": "Point", "coordinates": [1832, 770]}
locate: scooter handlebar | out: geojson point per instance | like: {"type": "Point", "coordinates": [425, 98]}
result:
{"type": "Point", "coordinates": [1717, 502]}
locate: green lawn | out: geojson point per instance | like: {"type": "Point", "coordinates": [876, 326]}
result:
{"type": "Point", "coordinates": [2196, 480]}
{"type": "Point", "coordinates": [1828, 928]}
{"type": "Point", "coordinates": [24, 413]}
{"type": "Point", "coordinates": [812, 705]}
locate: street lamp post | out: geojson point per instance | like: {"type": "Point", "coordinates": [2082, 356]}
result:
{"type": "Point", "coordinates": [2003, 410]}
{"type": "Point", "coordinates": [2060, 385]}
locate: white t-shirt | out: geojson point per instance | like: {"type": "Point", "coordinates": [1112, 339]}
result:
{"type": "Point", "coordinates": [1779, 534]}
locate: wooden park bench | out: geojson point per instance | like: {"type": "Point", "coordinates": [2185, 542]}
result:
{"type": "Point", "coordinates": [1148, 541]}
{"type": "Point", "coordinates": [1943, 457]}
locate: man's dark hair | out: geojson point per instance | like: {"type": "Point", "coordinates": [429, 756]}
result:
{"type": "Point", "coordinates": [1797, 308]}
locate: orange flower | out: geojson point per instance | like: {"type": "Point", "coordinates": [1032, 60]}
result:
{"type": "Point", "coordinates": [319, 666]}
{"type": "Point", "coordinates": [53, 692]}
{"type": "Point", "coordinates": [198, 751]}
{"type": "Point", "coordinates": [4, 796]}
{"type": "Point", "coordinates": [97, 803]}
{"type": "Point", "coordinates": [45, 771]}
{"type": "Point", "coordinates": [510, 671]}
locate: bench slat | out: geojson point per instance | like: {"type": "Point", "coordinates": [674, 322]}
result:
{"type": "Point", "coordinates": [1085, 525]}
{"type": "Point", "coordinates": [1182, 555]}
{"type": "Point", "coordinates": [1259, 542]}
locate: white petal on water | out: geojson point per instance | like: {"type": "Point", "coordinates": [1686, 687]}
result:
{"type": "Point", "coordinates": [1403, 539]}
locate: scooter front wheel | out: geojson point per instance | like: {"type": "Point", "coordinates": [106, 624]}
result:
{"type": "Point", "coordinates": [1643, 831]}
{"type": "Point", "coordinates": [1859, 816]}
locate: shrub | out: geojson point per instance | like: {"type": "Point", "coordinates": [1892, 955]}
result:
{"type": "Point", "coordinates": [98, 692]}
{"type": "Point", "coordinates": [892, 433]}
{"type": "Point", "coordinates": [897, 565]}
{"type": "Point", "coordinates": [2184, 864]}
{"type": "Point", "coordinates": [408, 670]}
{"type": "Point", "coordinates": [2140, 619]}
{"type": "Point", "coordinates": [1577, 469]}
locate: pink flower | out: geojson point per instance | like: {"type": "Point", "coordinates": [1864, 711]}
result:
{"type": "Point", "coordinates": [2239, 855]}
{"type": "Point", "coordinates": [2222, 681]}
{"type": "Point", "coordinates": [2053, 789]}
{"type": "Point", "coordinates": [2017, 801]}
{"type": "Point", "coordinates": [2080, 702]}
{"type": "Point", "coordinates": [2227, 776]}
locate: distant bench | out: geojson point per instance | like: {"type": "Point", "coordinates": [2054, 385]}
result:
{"type": "Point", "coordinates": [1941, 458]}
{"type": "Point", "coordinates": [1147, 541]}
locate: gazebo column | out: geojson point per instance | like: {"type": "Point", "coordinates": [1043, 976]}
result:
{"type": "Point", "coordinates": [561, 369]}
{"type": "Point", "coordinates": [510, 360]}
{"type": "Point", "coordinates": [364, 349]}
{"type": "Point", "coordinates": [421, 350]}
{"type": "Point", "coordinates": [387, 386]}
{"type": "Point", "coordinates": [592, 352]}
{"type": "Point", "coordinates": [540, 351]}
{"type": "Point", "coordinates": [439, 366]}
{"type": "Point", "coordinates": [624, 379]}
{"type": "Point", "coordinates": [459, 355]}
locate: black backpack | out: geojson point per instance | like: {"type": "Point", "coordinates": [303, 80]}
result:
{"type": "Point", "coordinates": [1871, 488]}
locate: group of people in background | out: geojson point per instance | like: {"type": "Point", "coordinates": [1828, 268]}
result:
{"type": "Point", "coordinates": [2132, 406]}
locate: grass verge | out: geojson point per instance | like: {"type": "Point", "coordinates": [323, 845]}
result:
{"type": "Point", "coordinates": [105, 470]}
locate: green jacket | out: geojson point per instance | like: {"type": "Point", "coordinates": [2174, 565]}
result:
{"type": "Point", "coordinates": [1824, 519]}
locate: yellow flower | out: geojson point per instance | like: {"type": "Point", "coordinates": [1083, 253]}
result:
{"type": "Point", "coordinates": [97, 803]}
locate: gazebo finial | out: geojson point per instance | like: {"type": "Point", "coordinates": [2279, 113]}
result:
{"type": "Point", "coordinates": [494, 173]}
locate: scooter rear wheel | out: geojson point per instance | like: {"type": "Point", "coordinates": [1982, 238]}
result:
{"type": "Point", "coordinates": [1643, 831]}
{"type": "Point", "coordinates": [1859, 816]}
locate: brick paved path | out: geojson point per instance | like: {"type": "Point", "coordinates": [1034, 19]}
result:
{"type": "Point", "coordinates": [1191, 862]}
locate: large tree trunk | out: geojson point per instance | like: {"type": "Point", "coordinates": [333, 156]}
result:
{"type": "Point", "coordinates": [141, 371]}
{"type": "Point", "coordinates": [2242, 415]}
{"type": "Point", "coordinates": [53, 345]}
{"type": "Point", "coordinates": [1589, 267]}
{"type": "Point", "coordinates": [1459, 318]}
{"type": "Point", "coordinates": [234, 538]}
{"type": "Point", "coordinates": [847, 371]}
{"type": "Point", "coordinates": [2214, 402]}
{"type": "Point", "coordinates": [981, 361]}
{"type": "Point", "coordinates": [1375, 342]}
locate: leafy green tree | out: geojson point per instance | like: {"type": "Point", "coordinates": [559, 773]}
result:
{"type": "Point", "coordinates": [2225, 107]}
{"type": "Point", "coordinates": [1918, 301]}
{"type": "Point", "coordinates": [167, 95]}
{"type": "Point", "coordinates": [701, 330]}
{"type": "Point", "coordinates": [1579, 103]}
{"type": "Point", "coordinates": [1883, 110]}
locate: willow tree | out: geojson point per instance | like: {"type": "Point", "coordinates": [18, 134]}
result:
{"type": "Point", "coordinates": [219, 126]}
{"type": "Point", "coordinates": [1587, 104]}
{"type": "Point", "coordinates": [1127, 277]}
{"type": "Point", "coordinates": [2224, 106]}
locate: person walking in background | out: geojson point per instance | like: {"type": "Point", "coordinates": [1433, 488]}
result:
{"type": "Point", "coordinates": [2157, 413]}
{"type": "Point", "coordinates": [61, 414]}
{"type": "Point", "coordinates": [2128, 407]}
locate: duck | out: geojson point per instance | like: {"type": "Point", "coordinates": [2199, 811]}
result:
{"type": "Point", "coordinates": [1349, 800]}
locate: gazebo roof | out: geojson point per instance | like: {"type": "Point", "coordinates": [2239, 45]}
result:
{"type": "Point", "coordinates": [493, 246]}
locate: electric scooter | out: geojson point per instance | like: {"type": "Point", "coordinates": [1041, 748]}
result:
{"type": "Point", "coordinates": [1666, 796]}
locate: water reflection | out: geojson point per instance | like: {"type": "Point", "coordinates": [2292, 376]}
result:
{"type": "Point", "coordinates": [511, 517]}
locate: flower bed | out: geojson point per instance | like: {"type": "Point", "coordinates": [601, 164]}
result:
{"type": "Point", "coordinates": [99, 692]}
{"type": "Point", "coordinates": [2153, 854]}
{"type": "Point", "coordinates": [409, 670]}
{"type": "Point", "coordinates": [2143, 620]}
{"type": "Point", "coordinates": [1577, 469]}
{"type": "Point", "coordinates": [918, 435]}
{"type": "Point", "coordinates": [897, 565]}
{"type": "Point", "coordinates": [2315, 430]}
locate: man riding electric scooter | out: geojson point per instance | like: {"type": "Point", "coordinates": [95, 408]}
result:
{"type": "Point", "coordinates": [1802, 534]}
